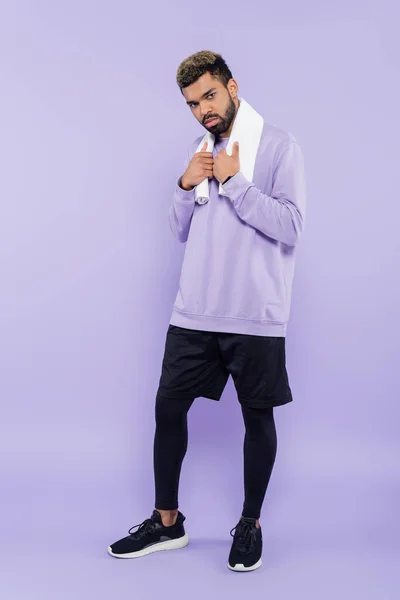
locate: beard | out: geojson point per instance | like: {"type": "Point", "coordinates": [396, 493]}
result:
{"type": "Point", "coordinates": [224, 122]}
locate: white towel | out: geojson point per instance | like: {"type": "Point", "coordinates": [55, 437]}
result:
{"type": "Point", "coordinates": [247, 129]}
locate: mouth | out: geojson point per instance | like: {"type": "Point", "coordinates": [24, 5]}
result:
{"type": "Point", "coordinates": [212, 122]}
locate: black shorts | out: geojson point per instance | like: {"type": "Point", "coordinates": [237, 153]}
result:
{"type": "Point", "coordinates": [198, 364]}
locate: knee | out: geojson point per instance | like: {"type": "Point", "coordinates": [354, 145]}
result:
{"type": "Point", "coordinates": [258, 418]}
{"type": "Point", "coordinates": [170, 412]}
{"type": "Point", "coordinates": [260, 424]}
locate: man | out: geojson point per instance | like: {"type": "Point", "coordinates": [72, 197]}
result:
{"type": "Point", "coordinates": [232, 307]}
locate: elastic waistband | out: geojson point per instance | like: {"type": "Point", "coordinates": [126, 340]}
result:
{"type": "Point", "coordinates": [228, 324]}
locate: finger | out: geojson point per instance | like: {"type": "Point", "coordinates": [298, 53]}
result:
{"type": "Point", "coordinates": [235, 148]}
{"type": "Point", "coordinates": [204, 147]}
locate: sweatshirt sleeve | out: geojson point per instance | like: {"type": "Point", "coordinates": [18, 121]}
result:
{"type": "Point", "coordinates": [281, 215]}
{"type": "Point", "coordinates": [182, 207]}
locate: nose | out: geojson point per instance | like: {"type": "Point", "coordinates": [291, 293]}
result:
{"type": "Point", "coordinates": [204, 110]}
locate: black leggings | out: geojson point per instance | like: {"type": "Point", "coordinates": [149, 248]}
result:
{"type": "Point", "coordinates": [170, 445]}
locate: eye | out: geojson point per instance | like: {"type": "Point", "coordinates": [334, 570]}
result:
{"type": "Point", "coordinates": [209, 96]}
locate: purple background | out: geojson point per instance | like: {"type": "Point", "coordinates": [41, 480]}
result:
{"type": "Point", "coordinates": [94, 133]}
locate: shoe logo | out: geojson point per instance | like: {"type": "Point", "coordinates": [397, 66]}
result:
{"type": "Point", "coordinates": [163, 538]}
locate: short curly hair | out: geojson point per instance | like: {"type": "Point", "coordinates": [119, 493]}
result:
{"type": "Point", "coordinates": [196, 65]}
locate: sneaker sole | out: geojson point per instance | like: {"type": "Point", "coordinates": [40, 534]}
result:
{"type": "Point", "coordinates": [240, 567]}
{"type": "Point", "coordinates": [168, 545]}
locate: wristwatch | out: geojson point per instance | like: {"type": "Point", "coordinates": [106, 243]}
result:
{"type": "Point", "coordinates": [227, 179]}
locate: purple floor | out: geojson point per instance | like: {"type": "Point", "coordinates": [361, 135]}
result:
{"type": "Point", "coordinates": [325, 535]}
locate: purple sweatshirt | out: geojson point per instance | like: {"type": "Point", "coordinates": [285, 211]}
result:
{"type": "Point", "coordinates": [238, 267]}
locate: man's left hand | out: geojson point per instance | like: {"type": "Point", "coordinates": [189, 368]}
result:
{"type": "Point", "coordinates": [225, 165]}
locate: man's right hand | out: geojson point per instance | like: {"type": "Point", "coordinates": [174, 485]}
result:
{"type": "Point", "coordinates": [200, 167]}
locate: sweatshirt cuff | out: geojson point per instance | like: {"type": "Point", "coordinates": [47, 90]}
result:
{"type": "Point", "coordinates": [236, 186]}
{"type": "Point", "coordinates": [184, 195]}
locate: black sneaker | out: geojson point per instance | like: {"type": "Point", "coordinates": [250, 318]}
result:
{"type": "Point", "coordinates": [246, 548]}
{"type": "Point", "coordinates": [151, 536]}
